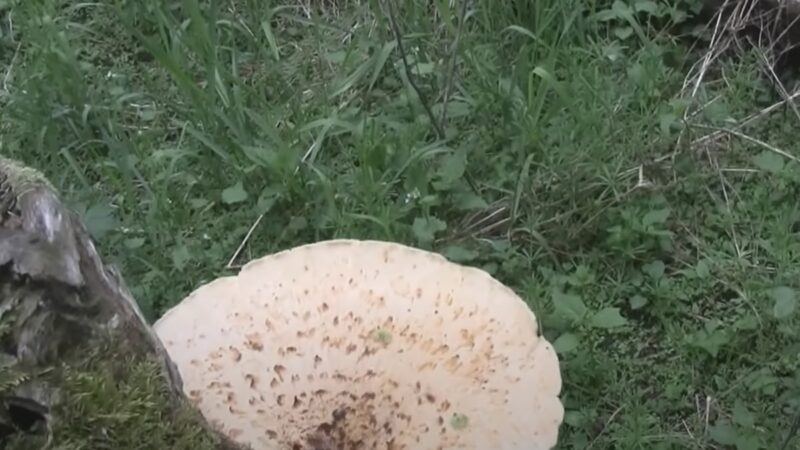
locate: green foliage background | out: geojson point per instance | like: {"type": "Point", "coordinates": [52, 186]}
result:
{"type": "Point", "coordinates": [570, 165]}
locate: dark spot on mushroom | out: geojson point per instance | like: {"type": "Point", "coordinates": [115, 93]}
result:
{"type": "Point", "coordinates": [297, 402]}
{"type": "Point", "coordinates": [351, 348]}
{"type": "Point", "coordinates": [291, 349]}
{"type": "Point", "coordinates": [336, 321]}
{"type": "Point", "coordinates": [324, 306]}
{"type": "Point", "coordinates": [272, 434]}
{"type": "Point", "coordinates": [251, 379]}
{"type": "Point", "coordinates": [320, 392]}
{"type": "Point", "coordinates": [237, 356]}
{"type": "Point", "coordinates": [339, 414]}
{"type": "Point", "coordinates": [273, 383]}
{"type": "Point", "coordinates": [440, 420]}
{"type": "Point", "coordinates": [430, 398]}
{"type": "Point", "coordinates": [279, 370]}
{"type": "Point", "coordinates": [280, 399]}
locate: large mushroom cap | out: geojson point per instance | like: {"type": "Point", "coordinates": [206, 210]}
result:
{"type": "Point", "coordinates": [366, 345]}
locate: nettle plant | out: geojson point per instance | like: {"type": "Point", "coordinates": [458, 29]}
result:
{"type": "Point", "coordinates": [631, 19]}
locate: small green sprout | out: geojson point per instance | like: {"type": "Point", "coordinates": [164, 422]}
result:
{"type": "Point", "coordinates": [382, 336]}
{"type": "Point", "coordinates": [459, 421]}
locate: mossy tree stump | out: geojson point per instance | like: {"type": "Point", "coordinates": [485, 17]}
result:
{"type": "Point", "coordinates": [79, 366]}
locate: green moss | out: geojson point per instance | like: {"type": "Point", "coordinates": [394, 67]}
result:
{"type": "Point", "coordinates": [120, 402]}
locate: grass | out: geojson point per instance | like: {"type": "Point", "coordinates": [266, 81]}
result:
{"type": "Point", "coordinates": [560, 145]}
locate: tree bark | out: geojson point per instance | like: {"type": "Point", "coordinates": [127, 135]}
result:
{"type": "Point", "coordinates": [79, 365]}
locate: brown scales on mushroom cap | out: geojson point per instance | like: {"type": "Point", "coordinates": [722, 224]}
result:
{"type": "Point", "coordinates": [363, 344]}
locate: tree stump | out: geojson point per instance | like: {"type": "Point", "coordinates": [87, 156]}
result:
{"type": "Point", "coordinates": [79, 365]}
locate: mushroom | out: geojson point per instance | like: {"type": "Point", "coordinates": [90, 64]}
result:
{"type": "Point", "coordinates": [365, 345]}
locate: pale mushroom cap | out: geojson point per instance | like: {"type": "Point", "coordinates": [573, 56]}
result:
{"type": "Point", "coordinates": [366, 345]}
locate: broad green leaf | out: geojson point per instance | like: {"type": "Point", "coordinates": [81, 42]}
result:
{"type": "Point", "coordinates": [655, 269]}
{"type": "Point", "coordinates": [608, 318]}
{"type": "Point", "coordinates": [605, 15]}
{"type": "Point", "coordinates": [702, 269]}
{"type": "Point", "coordinates": [198, 203]}
{"type": "Point", "coordinates": [769, 161]}
{"type": "Point", "coordinates": [570, 306]}
{"type": "Point", "coordinates": [710, 339]}
{"type": "Point", "coordinates": [566, 343]}
{"type": "Point", "coordinates": [666, 122]}
{"type": "Point", "coordinates": [574, 419]}
{"type": "Point", "coordinates": [180, 256]}
{"type": "Point", "coordinates": [742, 416]}
{"type": "Point", "coordinates": [453, 166]}
{"type": "Point", "coordinates": [134, 243]}
{"type": "Point", "coordinates": [749, 442]}
{"type": "Point", "coordinates": [298, 223]}
{"type": "Point", "coordinates": [425, 229]}
{"type": "Point", "coordinates": [658, 216]}
{"type": "Point", "coordinates": [99, 220]}
{"type": "Point", "coordinates": [458, 253]}
{"type": "Point", "coordinates": [717, 112]}
{"type": "Point", "coordinates": [748, 323]}
{"type": "Point", "coordinates": [785, 302]}
{"type": "Point", "coordinates": [465, 201]}
{"type": "Point", "coordinates": [336, 57]}
{"type": "Point", "coordinates": [234, 194]}
{"type": "Point", "coordinates": [424, 68]}
{"type": "Point", "coordinates": [623, 32]}
{"type": "Point", "coordinates": [637, 302]}
{"type": "Point", "coordinates": [723, 433]}
{"type": "Point", "coordinates": [147, 114]}
{"type": "Point", "coordinates": [647, 6]}
{"type": "Point", "coordinates": [266, 200]}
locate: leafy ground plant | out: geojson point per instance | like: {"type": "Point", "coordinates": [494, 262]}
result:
{"type": "Point", "coordinates": [628, 166]}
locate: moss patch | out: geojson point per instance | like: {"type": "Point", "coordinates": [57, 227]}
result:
{"type": "Point", "coordinates": [120, 402]}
